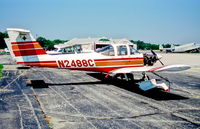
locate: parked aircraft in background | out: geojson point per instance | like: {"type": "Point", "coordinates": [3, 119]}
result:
{"type": "Point", "coordinates": [162, 49]}
{"type": "Point", "coordinates": [190, 47]}
{"type": "Point", "coordinates": [114, 59]}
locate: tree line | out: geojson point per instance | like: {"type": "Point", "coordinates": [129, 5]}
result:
{"type": "Point", "coordinates": [141, 45]}
{"type": "Point", "coordinates": [49, 44]}
{"type": "Point", "coordinates": [46, 43]}
{"type": "Point", "coordinates": [2, 42]}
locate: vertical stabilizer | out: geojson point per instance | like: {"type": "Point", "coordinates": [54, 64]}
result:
{"type": "Point", "coordinates": [160, 47]}
{"type": "Point", "coordinates": [172, 46]}
{"type": "Point", "coordinates": [8, 43]}
{"type": "Point", "coordinates": [23, 46]}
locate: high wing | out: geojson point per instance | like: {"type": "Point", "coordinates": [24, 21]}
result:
{"type": "Point", "coordinates": [152, 69]}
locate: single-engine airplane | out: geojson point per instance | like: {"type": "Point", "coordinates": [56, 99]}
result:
{"type": "Point", "coordinates": [114, 59]}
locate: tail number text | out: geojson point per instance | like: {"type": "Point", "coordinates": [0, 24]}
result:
{"type": "Point", "coordinates": [75, 63]}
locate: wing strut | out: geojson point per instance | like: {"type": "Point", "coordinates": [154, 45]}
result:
{"type": "Point", "coordinates": [163, 78]}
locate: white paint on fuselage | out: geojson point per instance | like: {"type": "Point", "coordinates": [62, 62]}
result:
{"type": "Point", "coordinates": [76, 56]}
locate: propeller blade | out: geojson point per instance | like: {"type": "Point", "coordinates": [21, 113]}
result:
{"type": "Point", "coordinates": [153, 52]}
{"type": "Point", "coordinates": [160, 62]}
{"type": "Point", "coordinates": [156, 57]}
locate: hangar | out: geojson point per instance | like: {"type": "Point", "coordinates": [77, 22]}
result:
{"type": "Point", "coordinates": [89, 44]}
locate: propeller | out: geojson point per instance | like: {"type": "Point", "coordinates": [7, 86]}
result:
{"type": "Point", "coordinates": [156, 57]}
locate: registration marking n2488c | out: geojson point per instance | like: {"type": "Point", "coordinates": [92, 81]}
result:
{"type": "Point", "coordinates": [75, 63]}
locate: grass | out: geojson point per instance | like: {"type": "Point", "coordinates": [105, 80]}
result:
{"type": "Point", "coordinates": [50, 126]}
{"type": "Point", "coordinates": [1, 67]}
{"type": "Point", "coordinates": [4, 53]}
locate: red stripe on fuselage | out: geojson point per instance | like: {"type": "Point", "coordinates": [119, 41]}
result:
{"type": "Point", "coordinates": [103, 69]}
{"type": "Point", "coordinates": [53, 64]}
{"type": "Point", "coordinates": [29, 52]}
{"type": "Point", "coordinates": [20, 48]}
{"type": "Point", "coordinates": [26, 46]}
{"type": "Point", "coordinates": [36, 62]}
{"type": "Point", "coordinates": [24, 42]}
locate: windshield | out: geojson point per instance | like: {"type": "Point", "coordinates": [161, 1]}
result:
{"type": "Point", "coordinates": [132, 50]}
{"type": "Point", "coordinates": [107, 50]}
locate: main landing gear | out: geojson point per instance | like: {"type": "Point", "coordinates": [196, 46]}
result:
{"type": "Point", "coordinates": [145, 83]}
{"type": "Point", "coordinates": [130, 77]}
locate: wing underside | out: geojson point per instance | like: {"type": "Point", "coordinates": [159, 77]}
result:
{"type": "Point", "coordinates": [169, 68]}
{"type": "Point", "coordinates": [151, 84]}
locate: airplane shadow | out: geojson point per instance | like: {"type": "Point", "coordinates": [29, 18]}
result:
{"type": "Point", "coordinates": [38, 84]}
{"type": "Point", "coordinates": [155, 94]}
{"type": "Point", "coordinates": [43, 84]}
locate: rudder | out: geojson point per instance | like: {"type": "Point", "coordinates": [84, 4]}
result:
{"type": "Point", "coordinates": [23, 45]}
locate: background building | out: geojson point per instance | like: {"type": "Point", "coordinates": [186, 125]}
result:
{"type": "Point", "coordinates": [90, 44]}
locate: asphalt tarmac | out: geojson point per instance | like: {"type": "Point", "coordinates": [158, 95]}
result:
{"type": "Point", "coordinates": [56, 98]}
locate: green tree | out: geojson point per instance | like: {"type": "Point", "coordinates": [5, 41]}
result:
{"type": "Point", "coordinates": [58, 41]}
{"type": "Point", "coordinates": [142, 45]}
{"type": "Point", "coordinates": [43, 42]}
{"type": "Point", "coordinates": [2, 42]}
{"type": "Point", "coordinates": [49, 43]}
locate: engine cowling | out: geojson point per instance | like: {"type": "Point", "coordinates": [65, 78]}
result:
{"type": "Point", "coordinates": [150, 59]}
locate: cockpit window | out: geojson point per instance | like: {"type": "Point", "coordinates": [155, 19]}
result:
{"type": "Point", "coordinates": [107, 50]}
{"type": "Point", "coordinates": [132, 50]}
{"type": "Point", "coordinates": [121, 50]}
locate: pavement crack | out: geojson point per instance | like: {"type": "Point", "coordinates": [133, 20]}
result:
{"type": "Point", "coordinates": [38, 101]}
{"type": "Point", "coordinates": [122, 118]}
{"type": "Point", "coordinates": [196, 123]}
{"type": "Point", "coordinates": [20, 114]}
{"type": "Point", "coordinates": [31, 106]}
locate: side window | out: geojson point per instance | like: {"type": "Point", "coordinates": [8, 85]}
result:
{"type": "Point", "coordinates": [121, 50]}
{"type": "Point", "coordinates": [107, 51]}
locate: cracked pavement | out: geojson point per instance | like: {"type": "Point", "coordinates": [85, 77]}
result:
{"type": "Point", "coordinates": [77, 99]}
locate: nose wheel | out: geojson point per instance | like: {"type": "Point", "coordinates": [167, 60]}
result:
{"type": "Point", "coordinates": [145, 77]}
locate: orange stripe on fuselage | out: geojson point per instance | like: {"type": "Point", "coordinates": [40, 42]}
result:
{"type": "Point", "coordinates": [29, 52]}
{"type": "Point", "coordinates": [125, 62]}
{"type": "Point", "coordinates": [40, 64]}
{"type": "Point", "coordinates": [44, 65]}
{"type": "Point", "coordinates": [28, 48]}
{"type": "Point", "coordinates": [25, 46]}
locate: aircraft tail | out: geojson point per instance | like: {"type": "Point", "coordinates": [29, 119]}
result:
{"type": "Point", "coordinates": [172, 46]}
{"type": "Point", "coordinates": [23, 46]}
{"type": "Point", "coordinates": [8, 43]}
{"type": "Point", "coordinates": [160, 47]}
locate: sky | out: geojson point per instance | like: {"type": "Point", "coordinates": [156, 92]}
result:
{"type": "Point", "coordinates": [153, 21]}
